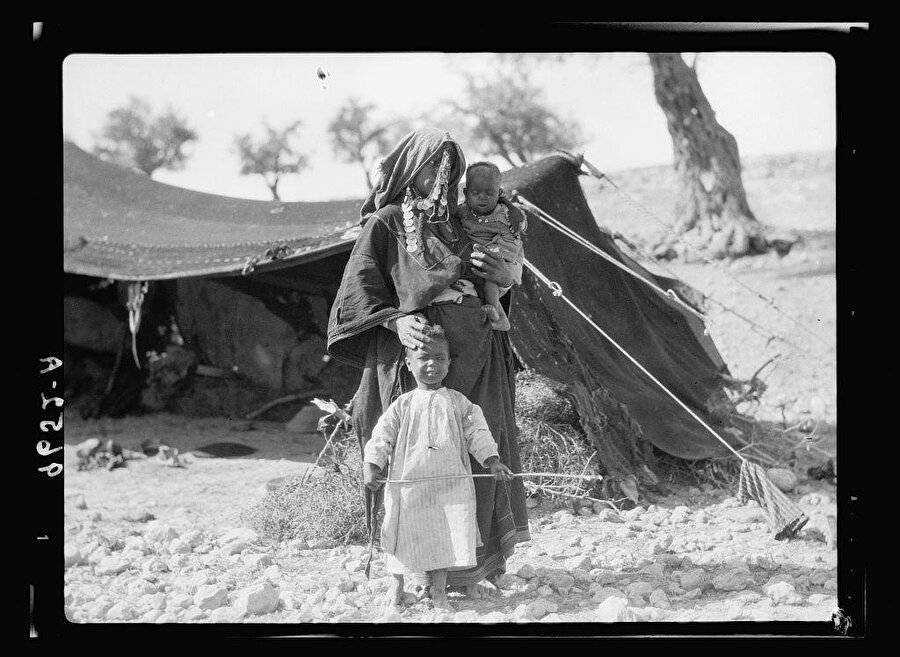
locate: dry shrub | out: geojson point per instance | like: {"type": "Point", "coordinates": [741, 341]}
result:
{"type": "Point", "coordinates": [551, 440]}
{"type": "Point", "coordinates": [328, 506]}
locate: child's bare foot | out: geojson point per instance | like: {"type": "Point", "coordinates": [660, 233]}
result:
{"type": "Point", "coordinates": [440, 600]}
{"type": "Point", "coordinates": [394, 595]}
{"type": "Point", "coordinates": [490, 312]}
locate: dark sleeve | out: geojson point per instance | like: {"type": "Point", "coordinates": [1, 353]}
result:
{"type": "Point", "coordinates": [366, 296]}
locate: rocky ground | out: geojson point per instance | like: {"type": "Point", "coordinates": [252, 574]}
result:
{"type": "Point", "coordinates": [149, 543]}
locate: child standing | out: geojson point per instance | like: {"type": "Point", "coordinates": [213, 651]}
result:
{"type": "Point", "coordinates": [492, 222]}
{"type": "Point", "coordinates": [430, 432]}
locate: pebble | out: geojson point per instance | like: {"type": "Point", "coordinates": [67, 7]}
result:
{"type": "Point", "coordinates": [80, 502]}
{"type": "Point", "coordinates": [782, 593]}
{"type": "Point", "coordinates": [111, 565]}
{"type": "Point", "coordinates": [735, 579]}
{"type": "Point", "coordinates": [610, 515]}
{"type": "Point", "coordinates": [72, 556]}
{"type": "Point", "coordinates": [120, 611]}
{"type": "Point", "coordinates": [210, 596]}
{"type": "Point", "coordinates": [660, 545]}
{"type": "Point", "coordinates": [257, 599]}
{"type": "Point", "coordinates": [603, 592]}
{"type": "Point", "coordinates": [613, 610]}
{"type": "Point", "coordinates": [256, 560]}
{"type": "Point", "coordinates": [693, 579]}
{"type": "Point", "coordinates": [583, 562]}
{"type": "Point", "coordinates": [526, 572]}
{"type": "Point", "coordinates": [194, 614]}
{"type": "Point", "coordinates": [531, 503]}
{"type": "Point", "coordinates": [659, 598]}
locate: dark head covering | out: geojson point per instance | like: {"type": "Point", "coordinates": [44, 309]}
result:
{"type": "Point", "coordinates": [397, 170]}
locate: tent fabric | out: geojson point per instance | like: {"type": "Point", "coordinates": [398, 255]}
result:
{"type": "Point", "coordinates": [653, 328]}
{"type": "Point", "coordinates": [123, 225]}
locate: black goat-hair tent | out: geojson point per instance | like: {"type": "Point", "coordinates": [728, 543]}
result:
{"type": "Point", "coordinates": [122, 225]}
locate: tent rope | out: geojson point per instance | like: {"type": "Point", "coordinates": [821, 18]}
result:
{"type": "Point", "coordinates": [565, 230]}
{"type": "Point", "coordinates": [784, 516]}
{"type": "Point", "coordinates": [599, 175]}
{"type": "Point", "coordinates": [756, 327]}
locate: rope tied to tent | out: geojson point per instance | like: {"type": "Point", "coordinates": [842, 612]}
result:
{"type": "Point", "coordinates": [136, 293]}
{"type": "Point", "coordinates": [565, 230]}
{"type": "Point", "coordinates": [784, 516]}
{"type": "Point", "coordinates": [599, 175]}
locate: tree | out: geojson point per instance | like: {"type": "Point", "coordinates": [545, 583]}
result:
{"type": "Point", "coordinates": [272, 157]}
{"type": "Point", "coordinates": [357, 137]}
{"type": "Point", "coordinates": [133, 138]}
{"type": "Point", "coordinates": [712, 206]}
{"type": "Point", "coordinates": [506, 116]}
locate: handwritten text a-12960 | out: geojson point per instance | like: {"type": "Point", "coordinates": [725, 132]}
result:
{"type": "Point", "coordinates": [45, 447]}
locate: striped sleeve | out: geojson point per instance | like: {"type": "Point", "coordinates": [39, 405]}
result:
{"type": "Point", "coordinates": [384, 436]}
{"type": "Point", "coordinates": [479, 440]}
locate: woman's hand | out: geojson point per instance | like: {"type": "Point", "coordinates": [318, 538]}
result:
{"type": "Point", "coordinates": [409, 329]}
{"type": "Point", "coordinates": [491, 267]}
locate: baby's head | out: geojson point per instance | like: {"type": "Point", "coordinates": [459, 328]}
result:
{"type": "Point", "coordinates": [429, 365]}
{"type": "Point", "coordinates": [482, 187]}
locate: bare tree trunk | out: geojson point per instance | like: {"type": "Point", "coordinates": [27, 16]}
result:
{"type": "Point", "coordinates": [712, 210]}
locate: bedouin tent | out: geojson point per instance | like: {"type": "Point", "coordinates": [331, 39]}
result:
{"type": "Point", "coordinates": [124, 226]}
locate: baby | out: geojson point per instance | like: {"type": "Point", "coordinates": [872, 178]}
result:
{"type": "Point", "coordinates": [430, 431]}
{"type": "Point", "coordinates": [492, 222]}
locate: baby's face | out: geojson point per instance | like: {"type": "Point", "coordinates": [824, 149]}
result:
{"type": "Point", "coordinates": [429, 366]}
{"type": "Point", "coordinates": [482, 190]}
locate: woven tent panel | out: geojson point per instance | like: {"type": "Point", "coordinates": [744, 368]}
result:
{"type": "Point", "coordinates": [122, 224]}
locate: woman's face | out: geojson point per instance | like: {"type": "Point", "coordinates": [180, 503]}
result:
{"type": "Point", "coordinates": [424, 180]}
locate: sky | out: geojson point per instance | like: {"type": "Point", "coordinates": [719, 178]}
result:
{"type": "Point", "coordinates": [772, 103]}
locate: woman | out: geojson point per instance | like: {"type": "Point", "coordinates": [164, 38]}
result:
{"type": "Point", "coordinates": [408, 267]}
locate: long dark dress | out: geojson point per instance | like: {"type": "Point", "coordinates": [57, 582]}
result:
{"type": "Point", "coordinates": [382, 281]}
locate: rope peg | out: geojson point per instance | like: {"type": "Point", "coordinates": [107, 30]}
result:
{"type": "Point", "coordinates": [555, 288]}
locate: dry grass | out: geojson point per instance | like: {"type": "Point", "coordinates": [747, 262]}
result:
{"type": "Point", "coordinates": [328, 506]}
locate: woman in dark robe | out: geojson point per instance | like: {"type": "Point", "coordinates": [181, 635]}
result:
{"type": "Point", "coordinates": [412, 263]}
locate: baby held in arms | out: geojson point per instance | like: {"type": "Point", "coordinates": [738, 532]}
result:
{"type": "Point", "coordinates": [428, 433]}
{"type": "Point", "coordinates": [496, 225]}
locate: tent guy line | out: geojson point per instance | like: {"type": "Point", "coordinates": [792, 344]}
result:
{"type": "Point", "coordinates": [784, 515]}
{"type": "Point", "coordinates": [599, 175]}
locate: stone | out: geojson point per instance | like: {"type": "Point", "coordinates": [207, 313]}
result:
{"type": "Point", "coordinates": [72, 556]}
{"type": "Point", "coordinates": [190, 583]}
{"type": "Point", "coordinates": [561, 581]}
{"type": "Point", "coordinates": [783, 478]}
{"type": "Point", "coordinates": [585, 511]}
{"type": "Point", "coordinates": [735, 579]}
{"type": "Point", "coordinates": [256, 560]}
{"type": "Point", "coordinates": [111, 565]}
{"type": "Point", "coordinates": [526, 572]}
{"type": "Point", "coordinates": [782, 593]}
{"type": "Point", "coordinates": [179, 600]}
{"type": "Point", "coordinates": [509, 581]}
{"type": "Point", "coordinates": [610, 515]}
{"type": "Point", "coordinates": [692, 579]}
{"type": "Point", "coordinates": [257, 599]}
{"type": "Point", "coordinates": [531, 502]}
{"type": "Point", "coordinates": [179, 546]}
{"type": "Point", "coordinates": [638, 590]}
{"type": "Point", "coordinates": [120, 611]}
{"type": "Point", "coordinates": [151, 615]}
{"type": "Point", "coordinates": [545, 591]}
{"type": "Point", "coordinates": [583, 562]}
{"type": "Point", "coordinates": [604, 592]}
{"type": "Point", "coordinates": [540, 608]}
{"type": "Point", "coordinates": [141, 587]}
{"type": "Point", "coordinates": [194, 614]}
{"type": "Point", "coordinates": [693, 594]}
{"type": "Point", "coordinates": [355, 566]}
{"type": "Point", "coordinates": [210, 596]}
{"type": "Point", "coordinates": [225, 615]}
{"type": "Point", "coordinates": [819, 598]}
{"type": "Point", "coordinates": [660, 545]}
{"type": "Point", "coordinates": [161, 533]}
{"type": "Point", "coordinates": [613, 610]}
{"type": "Point", "coordinates": [654, 570]}
{"type": "Point", "coordinates": [701, 517]}
{"type": "Point", "coordinates": [659, 598]}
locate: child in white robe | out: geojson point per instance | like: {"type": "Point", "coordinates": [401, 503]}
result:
{"type": "Point", "coordinates": [429, 432]}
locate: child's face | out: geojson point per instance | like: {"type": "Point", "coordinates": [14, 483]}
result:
{"type": "Point", "coordinates": [482, 190]}
{"type": "Point", "coordinates": [424, 180]}
{"type": "Point", "coordinates": [429, 366]}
